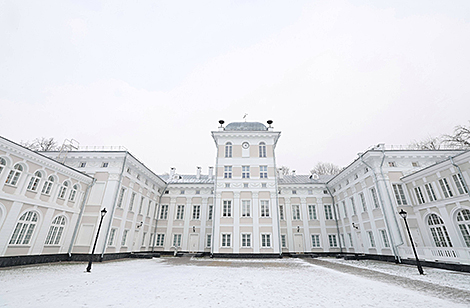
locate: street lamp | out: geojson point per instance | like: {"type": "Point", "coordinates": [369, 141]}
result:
{"type": "Point", "coordinates": [403, 214]}
{"type": "Point", "coordinates": [88, 268]}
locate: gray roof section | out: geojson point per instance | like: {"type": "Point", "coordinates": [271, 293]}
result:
{"type": "Point", "coordinates": [187, 179]}
{"type": "Point", "coordinates": [304, 179]}
{"type": "Point", "coordinates": [246, 126]}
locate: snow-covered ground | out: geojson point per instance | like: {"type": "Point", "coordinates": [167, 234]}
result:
{"type": "Point", "coordinates": [171, 282]}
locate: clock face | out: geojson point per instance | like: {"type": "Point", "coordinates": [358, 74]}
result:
{"type": "Point", "coordinates": [245, 145]}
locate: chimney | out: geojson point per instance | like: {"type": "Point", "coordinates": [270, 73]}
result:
{"type": "Point", "coordinates": [279, 173]}
{"type": "Point", "coordinates": [211, 172]}
{"type": "Point", "coordinates": [198, 173]}
{"type": "Point", "coordinates": [172, 172]}
{"type": "Point", "coordinates": [293, 172]}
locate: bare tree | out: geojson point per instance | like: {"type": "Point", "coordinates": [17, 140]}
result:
{"type": "Point", "coordinates": [326, 168]}
{"type": "Point", "coordinates": [41, 144]}
{"type": "Point", "coordinates": [284, 170]}
{"type": "Point", "coordinates": [460, 138]}
{"type": "Point", "coordinates": [429, 143]}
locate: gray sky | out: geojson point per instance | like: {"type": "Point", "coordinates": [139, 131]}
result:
{"type": "Point", "coordinates": [335, 76]}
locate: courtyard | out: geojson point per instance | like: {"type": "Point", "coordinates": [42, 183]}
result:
{"type": "Point", "coordinates": [205, 282]}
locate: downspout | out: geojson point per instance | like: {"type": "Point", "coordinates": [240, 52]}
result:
{"type": "Point", "coordinates": [336, 219]}
{"type": "Point", "coordinates": [82, 208]}
{"type": "Point", "coordinates": [157, 211]}
{"type": "Point", "coordinates": [397, 257]}
{"type": "Point", "coordinates": [215, 196]}
{"type": "Point", "coordinates": [277, 198]}
{"type": "Point", "coordinates": [114, 206]}
{"type": "Point", "coordinates": [461, 174]}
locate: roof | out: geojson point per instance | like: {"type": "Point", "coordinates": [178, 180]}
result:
{"type": "Point", "coordinates": [187, 179]}
{"type": "Point", "coordinates": [246, 126]}
{"type": "Point", "coordinates": [304, 179]}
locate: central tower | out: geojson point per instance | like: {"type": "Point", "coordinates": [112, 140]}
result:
{"type": "Point", "coordinates": [246, 218]}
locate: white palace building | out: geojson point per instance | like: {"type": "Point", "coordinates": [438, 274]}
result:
{"type": "Point", "coordinates": [51, 203]}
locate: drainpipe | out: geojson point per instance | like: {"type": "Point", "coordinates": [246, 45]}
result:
{"type": "Point", "coordinates": [157, 211]}
{"type": "Point", "coordinates": [277, 198]}
{"type": "Point", "coordinates": [387, 224]}
{"type": "Point", "coordinates": [114, 206]}
{"type": "Point", "coordinates": [215, 196]}
{"type": "Point", "coordinates": [82, 208]}
{"type": "Point", "coordinates": [336, 219]}
{"type": "Point", "coordinates": [461, 174]}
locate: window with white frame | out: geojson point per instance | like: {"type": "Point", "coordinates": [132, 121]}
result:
{"type": "Point", "coordinates": [228, 149]}
{"type": "Point", "coordinates": [430, 192]}
{"type": "Point", "coordinates": [392, 164]}
{"type": "Point", "coordinates": [371, 239]}
{"type": "Point", "coordinates": [363, 202]}
{"type": "Point", "coordinates": [262, 149]}
{"type": "Point", "coordinates": [246, 240]}
{"type": "Point", "coordinates": [385, 240]}
{"type": "Point", "coordinates": [246, 208]}
{"type": "Point", "coordinates": [141, 204]}
{"type": "Point", "coordinates": [332, 240]}
{"type": "Point", "coordinates": [198, 192]}
{"type": "Point", "coordinates": [438, 231]}
{"type": "Point", "coordinates": [73, 193]}
{"type": "Point", "coordinates": [226, 240]}
{"type": "Point", "coordinates": [149, 206]}
{"type": "Point", "coordinates": [445, 188]}
{"type": "Point", "coordinates": [164, 211]}
{"type": "Point", "coordinates": [131, 203]}
{"type": "Point", "coordinates": [34, 182]}
{"type": "Point", "coordinates": [463, 221]}
{"type": "Point", "coordinates": [296, 212]}
{"type": "Point", "coordinates": [144, 235]}
{"type": "Point", "coordinates": [264, 208]}
{"type": "Point", "coordinates": [3, 163]}
{"type": "Point", "coordinates": [46, 188]}
{"type": "Point", "coordinates": [312, 212]}
{"type": "Point", "coordinates": [263, 172]}
{"type": "Point", "coordinates": [399, 194]}
{"type": "Point", "coordinates": [179, 211]}
{"type": "Point", "coordinates": [14, 175]}
{"type": "Point", "coordinates": [328, 211]}
{"type": "Point", "coordinates": [124, 237]}
{"type": "Point", "coordinates": [55, 231]}
{"type": "Point", "coordinates": [283, 241]}
{"type": "Point", "coordinates": [104, 165]}
{"type": "Point", "coordinates": [374, 198]}
{"type": "Point", "coordinates": [315, 240]}
{"type": "Point", "coordinates": [294, 192]}
{"type": "Point", "coordinates": [281, 212]}
{"type": "Point", "coordinates": [160, 239]}
{"type": "Point", "coordinates": [208, 240]}
{"type": "Point", "coordinates": [419, 195]}
{"type": "Point", "coordinates": [265, 240]}
{"type": "Point", "coordinates": [353, 205]}
{"type": "Point", "coordinates": [227, 172]}
{"type": "Point", "coordinates": [196, 212]}
{"type": "Point", "coordinates": [82, 164]}
{"type": "Point", "coordinates": [227, 185]}
{"type": "Point", "coordinates": [344, 209]}
{"type": "Point", "coordinates": [245, 172]}
{"type": "Point", "coordinates": [63, 190]}
{"type": "Point", "coordinates": [112, 235]}
{"type": "Point", "coordinates": [176, 240]}
{"type": "Point", "coordinates": [343, 243]}
{"type": "Point", "coordinates": [227, 208]}
{"type": "Point", "coordinates": [350, 240]}
{"type": "Point", "coordinates": [459, 182]}
{"type": "Point", "coordinates": [182, 192]}
{"type": "Point", "coordinates": [209, 215]}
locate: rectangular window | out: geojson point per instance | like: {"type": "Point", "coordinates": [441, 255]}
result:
{"type": "Point", "coordinates": [121, 196]}
{"type": "Point", "coordinates": [144, 235]}
{"type": "Point", "coordinates": [149, 206]}
{"type": "Point", "coordinates": [196, 212]}
{"type": "Point", "coordinates": [226, 240]}
{"type": "Point", "coordinates": [350, 240]}
{"type": "Point", "coordinates": [328, 211]}
{"type": "Point", "coordinates": [131, 203]}
{"type": "Point", "coordinates": [344, 209]}
{"type": "Point", "coordinates": [342, 240]}
{"type": "Point", "coordinates": [374, 198]}
{"type": "Point", "coordinates": [445, 188]}
{"type": "Point", "coordinates": [312, 212]}
{"type": "Point", "coordinates": [246, 208]}
{"type": "Point", "coordinates": [164, 211]}
{"type": "Point", "coordinates": [264, 208]}
{"type": "Point", "coordinates": [245, 172]}
{"type": "Point", "coordinates": [104, 165]}
{"type": "Point", "coordinates": [180, 212]}
{"type": "Point", "coordinates": [208, 240]}
{"type": "Point", "coordinates": [460, 184]}
{"type": "Point", "coordinates": [283, 241]}
{"type": "Point", "coordinates": [430, 192]}
{"type": "Point", "coordinates": [227, 209]}
{"type": "Point", "coordinates": [124, 238]}
{"type": "Point", "coordinates": [294, 192]}
{"type": "Point", "coordinates": [246, 240]}
{"type": "Point", "coordinates": [265, 240]}
{"type": "Point", "coordinates": [296, 212]}
{"type": "Point", "coordinates": [141, 205]}
{"type": "Point", "coordinates": [399, 194]}
{"type": "Point", "coordinates": [385, 238]}
{"type": "Point", "coordinates": [363, 202]}
{"type": "Point", "coordinates": [112, 234]}
{"type": "Point", "coordinates": [82, 164]}
{"type": "Point", "coordinates": [281, 212]}
{"type": "Point", "coordinates": [419, 195]}
{"type": "Point", "coordinates": [332, 240]}
{"type": "Point", "coordinates": [227, 185]}
{"type": "Point", "coordinates": [209, 216]}
{"type": "Point", "coordinates": [371, 239]}
{"type": "Point", "coordinates": [392, 164]}
{"type": "Point", "coordinates": [227, 172]}
{"type": "Point", "coordinates": [176, 240]}
{"type": "Point", "coordinates": [160, 239]}
{"type": "Point", "coordinates": [353, 206]}
{"type": "Point", "coordinates": [263, 172]}
{"type": "Point", "coordinates": [315, 240]}
{"type": "Point", "coordinates": [182, 192]}
{"type": "Point", "coordinates": [198, 192]}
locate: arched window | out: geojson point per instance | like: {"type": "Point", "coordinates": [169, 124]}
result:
{"type": "Point", "coordinates": [24, 229]}
{"type": "Point", "coordinates": [73, 193]}
{"type": "Point", "coordinates": [46, 188]}
{"type": "Point", "coordinates": [3, 163]}
{"type": "Point", "coordinates": [63, 190]}
{"type": "Point", "coordinates": [463, 220]}
{"type": "Point", "coordinates": [14, 175]}
{"type": "Point", "coordinates": [262, 149]}
{"type": "Point", "coordinates": [34, 182]}
{"type": "Point", "coordinates": [439, 231]}
{"type": "Point", "coordinates": [55, 231]}
{"type": "Point", "coordinates": [228, 149]}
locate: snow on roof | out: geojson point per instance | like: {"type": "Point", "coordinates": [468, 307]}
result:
{"type": "Point", "coordinates": [188, 178]}
{"type": "Point", "coordinates": [246, 126]}
{"type": "Point", "coordinates": [304, 179]}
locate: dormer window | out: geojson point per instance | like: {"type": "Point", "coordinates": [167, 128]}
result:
{"type": "Point", "coordinates": [228, 149]}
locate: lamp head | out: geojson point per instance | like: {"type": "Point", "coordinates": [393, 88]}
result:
{"type": "Point", "coordinates": [103, 212]}
{"type": "Point", "coordinates": [403, 214]}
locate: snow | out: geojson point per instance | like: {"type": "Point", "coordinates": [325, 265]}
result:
{"type": "Point", "coordinates": [169, 282]}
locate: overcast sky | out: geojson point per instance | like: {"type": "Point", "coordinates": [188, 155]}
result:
{"type": "Point", "coordinates": [335, 76]}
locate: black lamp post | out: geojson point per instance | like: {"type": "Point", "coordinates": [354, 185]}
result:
{"type": "Point", "coordinates": [88, 268]}
{"type": "Point", "coordinates": [403, 214]}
